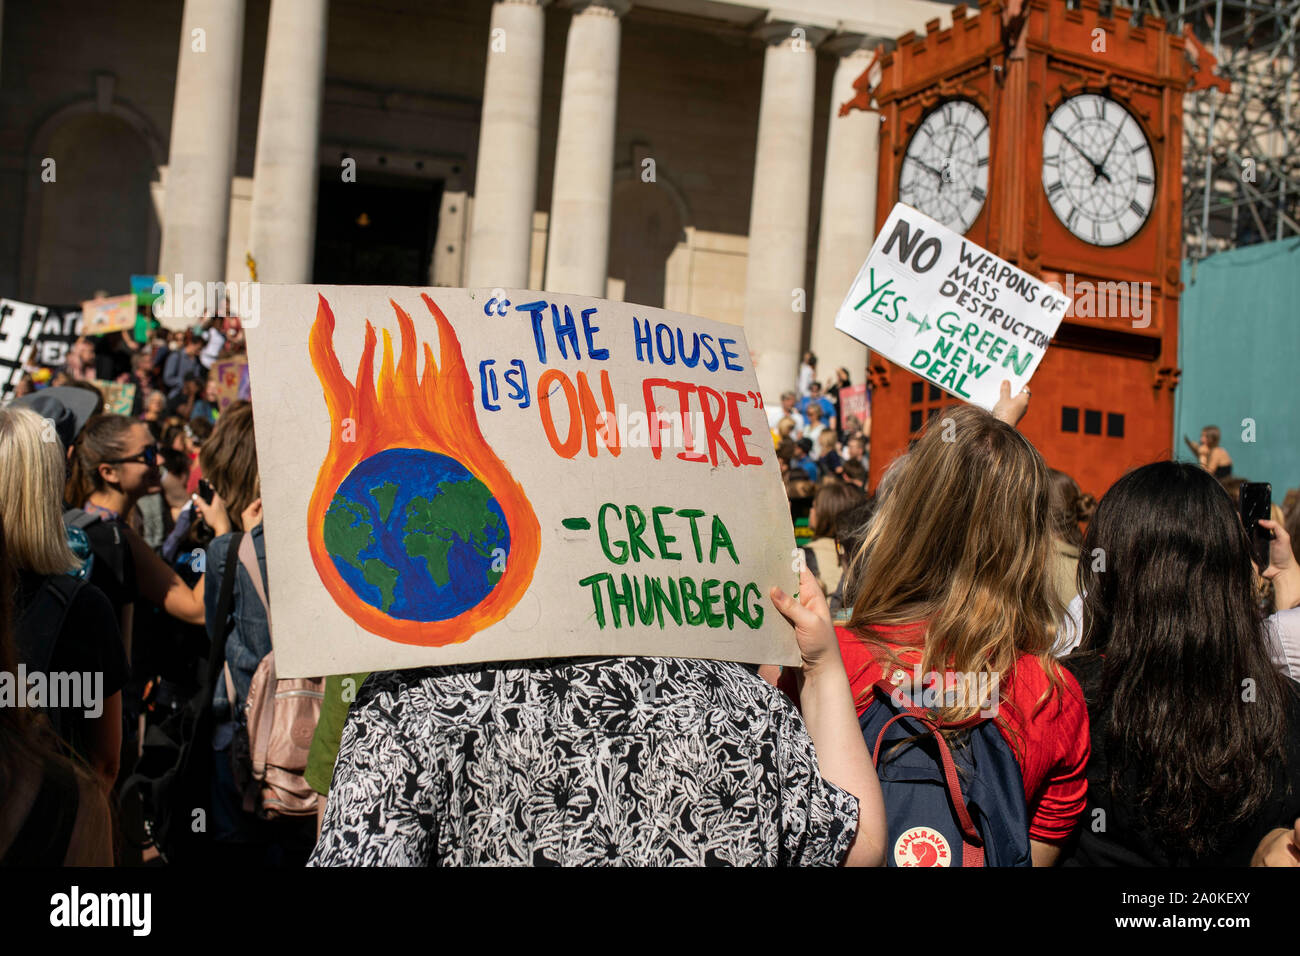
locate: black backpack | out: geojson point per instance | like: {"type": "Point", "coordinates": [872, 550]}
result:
{"type": "Point", "coordinates": [39, 628]}
{"type": "Point", "coordinates": [107, 544]}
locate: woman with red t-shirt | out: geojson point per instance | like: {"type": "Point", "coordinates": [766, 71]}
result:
{"type": "Point", "coordinates": [954, 576]}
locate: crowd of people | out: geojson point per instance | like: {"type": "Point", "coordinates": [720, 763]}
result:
{"type": "Point", "coordinates": [1117, 679]}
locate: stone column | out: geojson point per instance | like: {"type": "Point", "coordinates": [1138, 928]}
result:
{"type": "Point", "coordinates": [848, 220]}
{"type": "Point", "coordinates": [505, 186]}
{"type": "Point", "coordinates": [205, 128]}
{"type": "Point", "coordinates": [577, 253]}
{"type": "Point", "coordinates": [778, 217]}
{"type": "Point", "coordinates": [282, 228]}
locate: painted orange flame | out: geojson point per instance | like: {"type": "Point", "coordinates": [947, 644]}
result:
{"type": "Point", "coordinates": [435, 412]}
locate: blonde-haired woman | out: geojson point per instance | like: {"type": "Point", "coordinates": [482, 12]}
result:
{"type": "Point", "coordinates": [54, 811]}
{"type": "Point", "coordinates": [954, 576]}
{"type": "Point", "coordinates": [65, 629]}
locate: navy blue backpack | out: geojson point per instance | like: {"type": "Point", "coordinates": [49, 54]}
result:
{"type": "Point", "coordinates": [945, 808]}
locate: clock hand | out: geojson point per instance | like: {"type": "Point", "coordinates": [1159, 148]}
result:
{"type": "Point", "coordinates": [926, 166]}
{"type": "Point", "coordinates": [1096, 167]}
{"type": "Point", "coordinates": [1097, 173]}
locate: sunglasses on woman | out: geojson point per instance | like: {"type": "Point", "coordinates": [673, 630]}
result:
{"type": "Point", "coordinates": [149, 457]}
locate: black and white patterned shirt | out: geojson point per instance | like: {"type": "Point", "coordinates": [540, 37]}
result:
{"type": "Point", "coordinates": [626, 761]}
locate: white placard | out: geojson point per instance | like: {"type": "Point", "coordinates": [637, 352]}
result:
{"type": "Point", "coordinates": [455, 476]}
{"type": "Point", "coordinates": [946, 309]}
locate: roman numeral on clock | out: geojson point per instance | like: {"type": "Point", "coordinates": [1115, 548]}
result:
{"type": "Point", "coordinates": [1138, 208]}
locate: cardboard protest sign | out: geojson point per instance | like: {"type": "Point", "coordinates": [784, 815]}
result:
{"type": "Point", "coordinates": [853, 403]}
{"type": "Point", "coordinates": [231, 378]}
{"type": "Point", "coordinates": [60, 328]}
{"type": "Point", "coordinates": [119, 397]}
{"type": "Point", "coordinates": [453, 476]}
{"type": "Point", "coordinates": [947, 310]}
{"type": "Point", "coordinates": [20, 325]}
{"type": "Point", "coordinates": [108, 315]}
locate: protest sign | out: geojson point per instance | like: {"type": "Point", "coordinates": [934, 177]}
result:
{"type": "Point", "coordinates": [20, 325]}
{"type": "Point", "coordinates": [119, 397]}
{"type": "Point", "coordinates": [853, 403]}
{"type": "Point", "coordinates": [231, 378]}
{"type": "Point", "coordinates": [108, 315]}
{"type": "Point", "coordinates": [142, 287]}
{"type": "Point", "coordinates": [947, 310]}
{"type": "Point", "coordinates": [531, 475]}
{"type": "Point", "coordinates": [59, 330]}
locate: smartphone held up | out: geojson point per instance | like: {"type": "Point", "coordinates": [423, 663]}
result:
{"type": "Point", "coordinates": [1257, 504]}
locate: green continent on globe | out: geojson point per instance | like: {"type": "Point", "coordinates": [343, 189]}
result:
{"type": "Point", "coordinates": [384, 495]}
{"type": "Point", "coordinates": [347, 533]}
{"type": "Point", "coordinates": [458, 511]}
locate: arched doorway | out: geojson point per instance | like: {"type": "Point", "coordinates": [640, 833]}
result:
{"type": "Point", "coordinates": [646, 224]}
{"type": "Point", "coordinates": [95, 223]}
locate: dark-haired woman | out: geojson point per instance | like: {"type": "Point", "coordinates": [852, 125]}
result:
{"type": "Point", "coordinates": [1195, 732]}
{"type": "Point", "coordinates": [115, 463]}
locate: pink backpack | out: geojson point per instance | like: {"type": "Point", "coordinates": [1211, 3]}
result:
{"type": "Point", "coordinates": [280, 717]}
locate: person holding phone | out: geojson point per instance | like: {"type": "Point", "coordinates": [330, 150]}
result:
{"type": "Point", "coordinates": [230, 500]}
{"type": "Point", "coordinates": [1283, 626]}
{"type": "Point", "coordinates": [1195, 728]}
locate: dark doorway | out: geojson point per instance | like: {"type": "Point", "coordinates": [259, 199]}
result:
{"type": "Point", "coordinates": [377, 231]}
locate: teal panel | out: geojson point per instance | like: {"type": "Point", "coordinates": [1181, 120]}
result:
{"type": "Point", "coordinates": [1239, 349]}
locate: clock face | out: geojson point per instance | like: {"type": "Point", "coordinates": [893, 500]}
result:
{"type": "Point", "coordinates": [1098, 170]}
{"type": "Point", "coordinates": [945, 171]}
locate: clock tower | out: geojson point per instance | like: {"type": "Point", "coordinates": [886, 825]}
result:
{"type": "Point", "coordinates": [1052, 137]}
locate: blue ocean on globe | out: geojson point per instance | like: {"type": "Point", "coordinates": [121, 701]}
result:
{"type": "Point", "coordinates": [416, 535]}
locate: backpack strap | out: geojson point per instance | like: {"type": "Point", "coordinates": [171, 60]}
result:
{"type": "Point", "coordinates": [248, 558]}
{"type": "Point", "coordinates": [230, 685]}
{"type": "Point", "coordinates": [225, 601]}
{"type": "Point", "coordinates": [79, 518]}
{"type": "Point", "coordinates": [972, 843]}
{"type": "Point", "coordinates": [42, 623]}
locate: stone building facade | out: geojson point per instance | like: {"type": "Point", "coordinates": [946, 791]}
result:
{"type": "Point", "coordinates": [675, 153]}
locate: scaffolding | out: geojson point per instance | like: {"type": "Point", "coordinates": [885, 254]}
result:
{"type": "Point", "coordinates": [1241, 138]}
